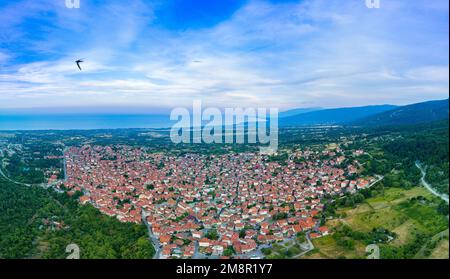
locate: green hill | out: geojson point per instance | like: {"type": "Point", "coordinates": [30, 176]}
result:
{"type": "Point", "coordinates": [334, 116]}
{"type": "Point", "coordinates": [409, 115]}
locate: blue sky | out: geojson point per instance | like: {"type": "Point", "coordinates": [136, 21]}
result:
{"type": "Point", "coordinates": [166, 53]}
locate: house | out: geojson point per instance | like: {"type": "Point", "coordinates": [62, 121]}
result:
{"type": "Point", "coordinates": [314, 235]}
{"type": "Point", "coordinates": [249, 246]}
{"type": "Point", "coordinates": [217, 250]}
{"type": "Point", "coordinates": [204, 242]}
{"type": "Point", "coordinates": [164, 239]}
{"type": "Point", "coordinates": [324, 230]}
{"type": "Point", "coordinates": [84, 200]}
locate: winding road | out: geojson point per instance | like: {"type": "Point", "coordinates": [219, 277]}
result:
{"type": "Point", "coordinates": [427, 185]}
{"type": "Point", "coordinates": [12, 181]}
{"type": "Point", "coordinates": [153, 239]}
{"type": "Point", "coordinates": [43, 185]}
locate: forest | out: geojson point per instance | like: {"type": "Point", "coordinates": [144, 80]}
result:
{"type": "Point", "coordinates": [395, 151]}
{"type": "Point", "coordinates": [40, 223]}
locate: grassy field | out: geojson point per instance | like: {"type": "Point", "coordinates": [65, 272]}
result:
{"type": "Point", "coordinates": [393, 210]}
{"type": "Point", "coordinates": [436, 247]}
{"type": "Point", "coordinates": [285, 250]}
{"type": "Point", "coordinates": [441, 251]}
{"type": "Point", "coordinates": [327, 248]}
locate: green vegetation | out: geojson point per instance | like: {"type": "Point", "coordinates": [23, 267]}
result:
{"type": "Point", "coordinates": [288, 250]}
{"type": "Point", "coordinates": [212, 234]}
{"type": "Point", "coordinates": [376, 235]}
{"type": "Point", "coordinates": [403, 222]}
{"type": "Point", "coordinates": [229, 251]}
{"type": "Point", "coordinates": [280, 216]}
{"type": "Point", "coordinates": [394, 153]}
{"type": "Point", "coordinates": [39, 223]}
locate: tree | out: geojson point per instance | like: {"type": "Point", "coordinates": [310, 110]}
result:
{"type": "Point", "coordinates": [212, 234]}
{"type": "Point", "coordinates": [443, 208]}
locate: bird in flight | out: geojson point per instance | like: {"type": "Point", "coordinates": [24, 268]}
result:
{"type": "Point", "coordinates": [78, 63]}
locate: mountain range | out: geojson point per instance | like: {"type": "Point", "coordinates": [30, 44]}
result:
{"type": "Point", "coordinates": [379, 115]}
{"type": "Point", "coordinates": [409, 115]}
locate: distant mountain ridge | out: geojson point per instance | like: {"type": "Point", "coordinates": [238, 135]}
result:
{"type": "Point", "coordinates": [377, 115]}
{"type": "Point", "coordinates": [409, 115]}
{"type": "Point", "coordinates": [298, 111]}
{"type": "Point", "coordinates": [334, 116]}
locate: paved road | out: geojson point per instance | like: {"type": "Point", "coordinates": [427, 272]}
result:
{"type": "Point", "coordinates": [43, 185]}
{"type": "Point", "coordinates": [437, 237]}
{"type": "Point", "coordinates": [152, 237]}
{"type": "Point", "coordinates": [64, 164]}
{"type": "Point", "coordinates": [12, 181]}
{"type": "Point", "coordinates": [380, 177]}
{"type": "Point", "coordinates": [311, 247]}
{"type": "Point", "coordinates": [427, 185]}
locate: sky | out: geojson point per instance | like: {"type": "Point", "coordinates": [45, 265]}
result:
{"type": "Point", "coordinates": [159, 54]}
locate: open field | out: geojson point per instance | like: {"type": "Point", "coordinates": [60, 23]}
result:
{"type": "Point", "coordinates": [393, 211]}
{"type": "Point", "coordinates": [436, 248]}
{"type": "Point", "coordinates": [327, 248]}
{"type": "Point", "coordinates": [287, 249]}
{"type": "Point", "coordinates": [381, 210]}
{"type": "Point", "coordinates": [441, 251]}
{"type": "Point", "coordinates": [403, 233]}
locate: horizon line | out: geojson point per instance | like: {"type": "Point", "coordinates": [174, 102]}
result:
{"type": "Point", "coordinates": [156, 111]}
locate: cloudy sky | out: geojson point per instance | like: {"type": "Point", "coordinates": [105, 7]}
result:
{"type": "Point", "coordinates": [166, 53]}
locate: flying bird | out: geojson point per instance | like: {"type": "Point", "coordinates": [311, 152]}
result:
{"type": "Point", "coordinates": [78, 63]}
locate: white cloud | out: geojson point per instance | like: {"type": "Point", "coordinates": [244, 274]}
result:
{"type": "Point", "coordinates": [311, 53]}
{"type": "Point", "coordinates": [429, 73]}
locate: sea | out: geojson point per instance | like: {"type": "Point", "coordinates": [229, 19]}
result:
{"type": "Point", "coordinates": [11, 122]}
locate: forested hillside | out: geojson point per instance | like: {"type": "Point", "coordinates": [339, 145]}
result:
{"type": "Point", "coordinates": [409, 115]}
{"type": "Point", "coordinates": [334, 116]}
{"type": "Point", "coordinates": [427, 143]}
{"type": "Point", "coordinates": [39, 223]}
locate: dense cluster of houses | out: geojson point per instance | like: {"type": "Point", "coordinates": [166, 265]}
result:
{"type": "Point", "coordinates": [211, 204]}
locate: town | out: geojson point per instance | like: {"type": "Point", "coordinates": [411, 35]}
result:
{"type": "Point", "coordinates": [213, 206]}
